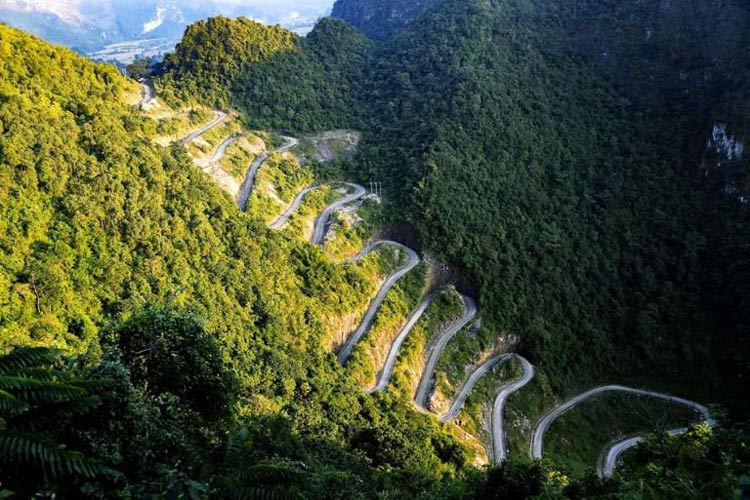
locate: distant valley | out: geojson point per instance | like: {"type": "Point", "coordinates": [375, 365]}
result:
{"type": "Point", "coordinates": [119, 32]}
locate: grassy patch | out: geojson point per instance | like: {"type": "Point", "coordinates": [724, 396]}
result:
{"type": "Point", "coordinates": [240, 155]}
{"type": "Point", "coordinates": [205, 145]}
{"type": "Point", "coordinates": [469, 348]}
{"type": "Point", "coordinates": [353, 230]}
{"type": "Point", "coordinates": [372, 271]}
{"type": "Point", "coordinates": [277, 182]}
{"type": "Point", "coordinates": [168, 126]}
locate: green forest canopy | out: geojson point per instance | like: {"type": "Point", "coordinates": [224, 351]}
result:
{"type": "Point", "coordinates": [557, 161]}
{"type": "Point", "coordinates": [520, 161]}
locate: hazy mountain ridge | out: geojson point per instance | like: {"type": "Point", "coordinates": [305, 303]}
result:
{"type": "Point", "coordinates": [89, 26]}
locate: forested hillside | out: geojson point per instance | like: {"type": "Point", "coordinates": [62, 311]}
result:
{"type": "Point", "coordinates": [195, 329]}
{"type": "Point", "coordinates": [581, 169]}
{"type": "Point", "coordinates": [575, 209]}
{"type": "Point", "coordinates": [275, 77]}
{"type": "Point", "coordinates": [380, 19]}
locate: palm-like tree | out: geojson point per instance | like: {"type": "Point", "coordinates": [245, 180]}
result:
{"type": "Point", "coordinates": [38, 397]}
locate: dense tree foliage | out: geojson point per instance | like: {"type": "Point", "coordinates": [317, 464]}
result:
{"type": "Point", "coordinates": [39, 400]}
{"type": "Point", "coordinates": [276, 78]}
{"type": "Point", "coordinates": [702, 463]}
{"type": "Point", "coordinates": [523, 142]}
{"type": "Point", "coordinates": [529, 166]}
{"type": "Point", "coordinates": [99, 227]}
{"type": "Point", "coordinates": [171, 353]}
{"type": "Point", "coordinates": [380, 19]}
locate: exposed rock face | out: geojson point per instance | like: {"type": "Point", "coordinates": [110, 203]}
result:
{"type": "Point", "coordinates": [380, 19]}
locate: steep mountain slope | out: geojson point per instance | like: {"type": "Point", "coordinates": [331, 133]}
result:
{"type": "Point", "coordinates": [585, 220]}
{"type": "Point", "coordinates": [380, 20]}
{"type": "Point", "coordinates": [578, 215]}
{"type": "Point", "coordinates": [275, 77]}
{"type": "Point", "coordinates": [125, 254]}
{"type": "Point", "coordinates": [683, 65]}
{"type": "Point", "coordinates": [501, 143]}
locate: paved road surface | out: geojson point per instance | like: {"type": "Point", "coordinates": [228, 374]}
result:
{"type": "Point", "coordinates": [537, 442]}
{"type": "Point", "coordinates": [221, 150]}
{"type": "Point", "coordinates": [247, 186]}
{"type": "Point", "coordinates": [434, 353]}
{"type": "Point", "coordinates": [364, 326]}
{"type": "Point", "coordinates": [499, 446]}
{"type": "Point", "coordinates": [385, 374]}
{"type": "Point", "coordinates": [281, 221]}
{"type": "Point", "coordinates": [219, 117]}
{"type": "Point", "coordinates": [609, 459]}
{"type": "Point", "coordinates": [321, 224]}
{"type": "Point", "coordinates": [469, 385]}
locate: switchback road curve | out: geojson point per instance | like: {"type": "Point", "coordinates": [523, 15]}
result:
{"type": "Point", "coordinates": [321, 223]}
{"type": "Point", "coordinates": [434, 352]}
{"type": "Point", "coordinates": [247, 185]}
{"type": "Point", "coordinates": [364, 326]}
{"type": "Point", "coordinates": [385, 374]}
{"type": "Point", "coordinates": [499, 441]}
{"type": "Point", "coordinates": [468, 386]}
{"type": "Point", "coordinates": [282, 219]}
{"type": "Point", "coordinates": [537, 441]}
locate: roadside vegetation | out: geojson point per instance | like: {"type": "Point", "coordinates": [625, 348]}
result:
{"type": "Point", "coordinates": [157, 341]}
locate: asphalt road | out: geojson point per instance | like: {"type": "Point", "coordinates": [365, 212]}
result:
{"type": "Point", "coordinates": [468, 386]}
{"type": "Point", "coordinates": [281, 221]}
{"type": "Point", "coordinates": [219, 117]}
{"type": "Point", "coordinates": [537, 441]}
{"type": "Point", "coordinates": [147, 95]}
{"type": "Point", "coordinates": [247, 186]}
{"type": "Point", "coordinates": [220, 151]}
{"type": "Point", "coordinates": [385, 374]}
{"type": "Point", "coordinates": [364, 326]}
{"type": "Point", "coordinates": [321, 224]}
{"type": "Point", "coordinates": [499, 445]}
{"type": "Point", "coordinates": [609, 459]}
{"type": "Point", "coordinates": [434, 353]}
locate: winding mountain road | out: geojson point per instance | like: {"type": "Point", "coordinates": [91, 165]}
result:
{"type": "Point", "coordinates": [608, 460]}
{"type": "Point", "coordinates": [219, 117]}
{"type": "Point", "coordinates": [499, 442]}
{"type": "Point", "coordinates": [433, 354]}
{"type": "Point", "coordinates": [147, 98]}
{"type": "Point", "coordinates": [247, 185]}
{"type": "Point", "coordinates": [321, 223]}
{"type": "Point", "coordinates": [385, 374]}
{"type": "Point", "coordinates": [610, 455]}
{"type": "Point", "coordinates": [537, 441]}
{"type": "Point", "coordinates": [281, 221]}
{"type": "Point", "coordinates": [364, 326]}
{"type": "Point", "coordinates": [468, 386]}
{"type": "Point", "coordinates": [220, 151]}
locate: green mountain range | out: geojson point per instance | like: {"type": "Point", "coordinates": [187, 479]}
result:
{"type": "Point", "coordinates": [581, 172]}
